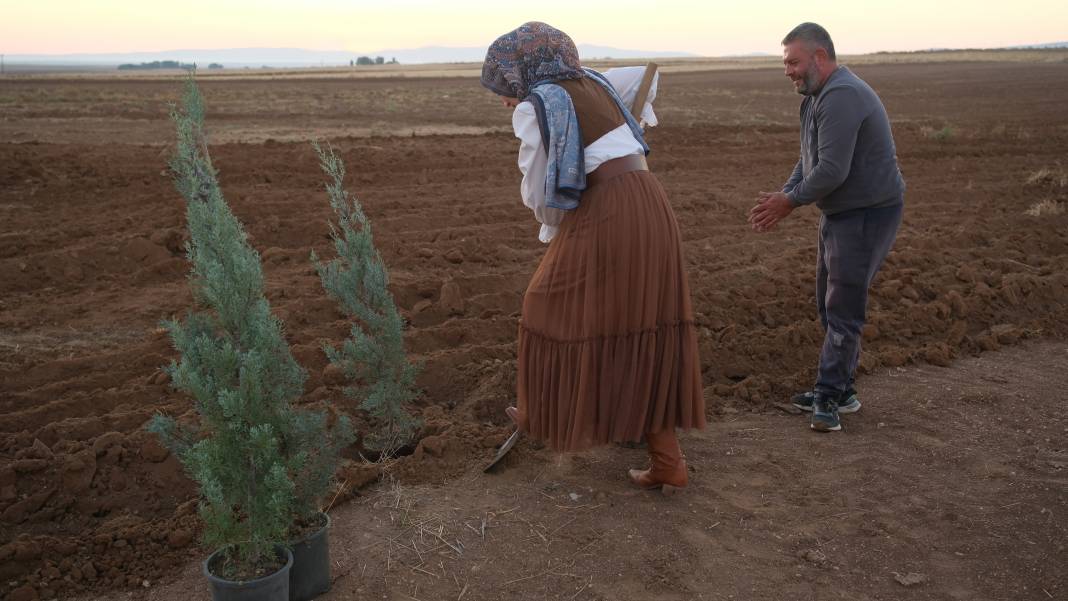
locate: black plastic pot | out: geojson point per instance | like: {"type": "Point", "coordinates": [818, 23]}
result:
{"type": "Point", "coordinates": [310, 576]}
{"type": "Point", "coordinates": [273, 587]}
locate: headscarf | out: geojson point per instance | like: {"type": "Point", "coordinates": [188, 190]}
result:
{"type": "Point", "coordinates": [531, 54]}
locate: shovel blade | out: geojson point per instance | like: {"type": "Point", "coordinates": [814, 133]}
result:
{"type": "Point", "coordinates": [501, 452]}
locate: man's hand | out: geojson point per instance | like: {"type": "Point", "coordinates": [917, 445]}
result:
{"type": "Point", "coordinates": [771, 207]}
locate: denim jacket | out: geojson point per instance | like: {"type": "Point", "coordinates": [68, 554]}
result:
{"type": "Point", "coordinates": [565, 173]}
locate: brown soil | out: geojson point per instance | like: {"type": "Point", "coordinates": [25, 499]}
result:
{"type": "Point", "coordinates": [940, 488]}
{"type": "Point", "coordinates": [91, 259]}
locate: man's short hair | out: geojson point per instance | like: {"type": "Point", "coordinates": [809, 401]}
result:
{"type": "Point", "coordinates": [812, 34]}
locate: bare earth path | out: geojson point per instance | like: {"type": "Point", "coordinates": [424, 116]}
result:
{"type": "Point", "coordinates": [953, 478]}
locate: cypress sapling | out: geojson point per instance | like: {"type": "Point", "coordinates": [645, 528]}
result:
{"type": "Point", "coordinates": [259, 463]}
{"type": "Point", "coordinates": [373, 357]}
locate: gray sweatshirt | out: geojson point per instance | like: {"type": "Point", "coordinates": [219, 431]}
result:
{"type": "Point", "coordinates": [848, 159]}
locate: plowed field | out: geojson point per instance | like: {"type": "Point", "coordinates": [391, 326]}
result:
{"type": "Point", "coordinates": [91, 259]}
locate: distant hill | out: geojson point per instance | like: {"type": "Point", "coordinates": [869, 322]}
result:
{"type": "Point", "coordinates": [231, 57]}
{"type": "Point", "coordinates": [300, 57]}
{"type": "Point", "coordinates": [589, 51]}
{"type": "Point", "coordinates": [473, 54]}
{"type": "Point", "coordinates": [1040, 46]}
{"type": "Point", "coordinates": [1023, 47]}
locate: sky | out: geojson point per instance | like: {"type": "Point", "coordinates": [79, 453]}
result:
{"type": "Point", "coordinates": [708, 28]}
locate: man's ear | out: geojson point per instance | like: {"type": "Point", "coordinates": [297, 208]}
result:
{"type": "Point", "coordinates": [821, 57]}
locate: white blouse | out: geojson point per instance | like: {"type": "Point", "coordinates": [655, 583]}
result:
{"type": "Point", "coordinates": [617, 143]}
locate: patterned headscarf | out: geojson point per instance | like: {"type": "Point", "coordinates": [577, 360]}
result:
{"type": "Point", "coordinates": [531, 54]}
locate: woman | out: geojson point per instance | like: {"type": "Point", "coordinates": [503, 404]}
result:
{"type": "Point", "coordinates": [607, 346]}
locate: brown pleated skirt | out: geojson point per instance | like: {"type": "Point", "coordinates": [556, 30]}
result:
{"type": "Point", "coordinates": [607, 345]}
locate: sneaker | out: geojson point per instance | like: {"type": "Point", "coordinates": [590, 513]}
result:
{"type": "Point", "coordinates": [849, 402]}
{"type": "Point", "coordinates": [825, 413]}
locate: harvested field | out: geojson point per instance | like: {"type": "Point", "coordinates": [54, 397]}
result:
{"type": "Point", "coordinates": [91, 259]}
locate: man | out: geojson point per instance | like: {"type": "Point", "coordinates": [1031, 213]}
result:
{"type": "Point", "coordinates": [848, 168]}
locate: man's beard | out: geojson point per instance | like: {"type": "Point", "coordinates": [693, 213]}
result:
{"type": "Point", "coordinates": [810, 82]}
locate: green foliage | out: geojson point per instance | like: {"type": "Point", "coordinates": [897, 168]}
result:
{"type": "Point", "coordinates": [318, 438]}
{"type": "Point", "coordinates": [378, 60]}
{"type": "Point", "coordinates": [373, 356]}
{"type": "Point", "coordinates": [257, 461]}
{"type": "Point", "coordinates": [157, 65]}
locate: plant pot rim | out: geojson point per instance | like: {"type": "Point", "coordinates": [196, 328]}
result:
{"type": "Point", "coordinates": [317, 534]}
{"type": "Point", "coordinates": [221, 582]}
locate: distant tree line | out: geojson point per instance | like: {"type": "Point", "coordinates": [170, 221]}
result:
{"type": "Point", "coordinates": [159, 65]}
{"type": "Point", "coordinates": [378, 60]}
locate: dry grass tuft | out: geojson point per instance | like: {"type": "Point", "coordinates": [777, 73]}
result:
{"type": "Point", "coordinates": [1048, 177]}
{"type": "Point", "coordinates": [941, 135]}
{"type": "Point", "coordinates": [1045, 208]}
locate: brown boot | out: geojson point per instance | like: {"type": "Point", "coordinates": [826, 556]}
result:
{"type": "Point", "coordinates": [667, 469]}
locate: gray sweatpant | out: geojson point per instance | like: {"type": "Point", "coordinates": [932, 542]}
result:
{"type": "Point", "coordinates": [852, 247]}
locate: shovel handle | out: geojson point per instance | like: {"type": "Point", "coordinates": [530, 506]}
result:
{"type": "Point", "coordinates": [643, 91]}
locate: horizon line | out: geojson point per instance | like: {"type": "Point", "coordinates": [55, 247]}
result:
{"type": "Point", "coordinates": [384, 51]}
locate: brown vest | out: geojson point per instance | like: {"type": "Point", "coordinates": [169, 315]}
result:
{"type": "Point", "coordinates": [597, 113]}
